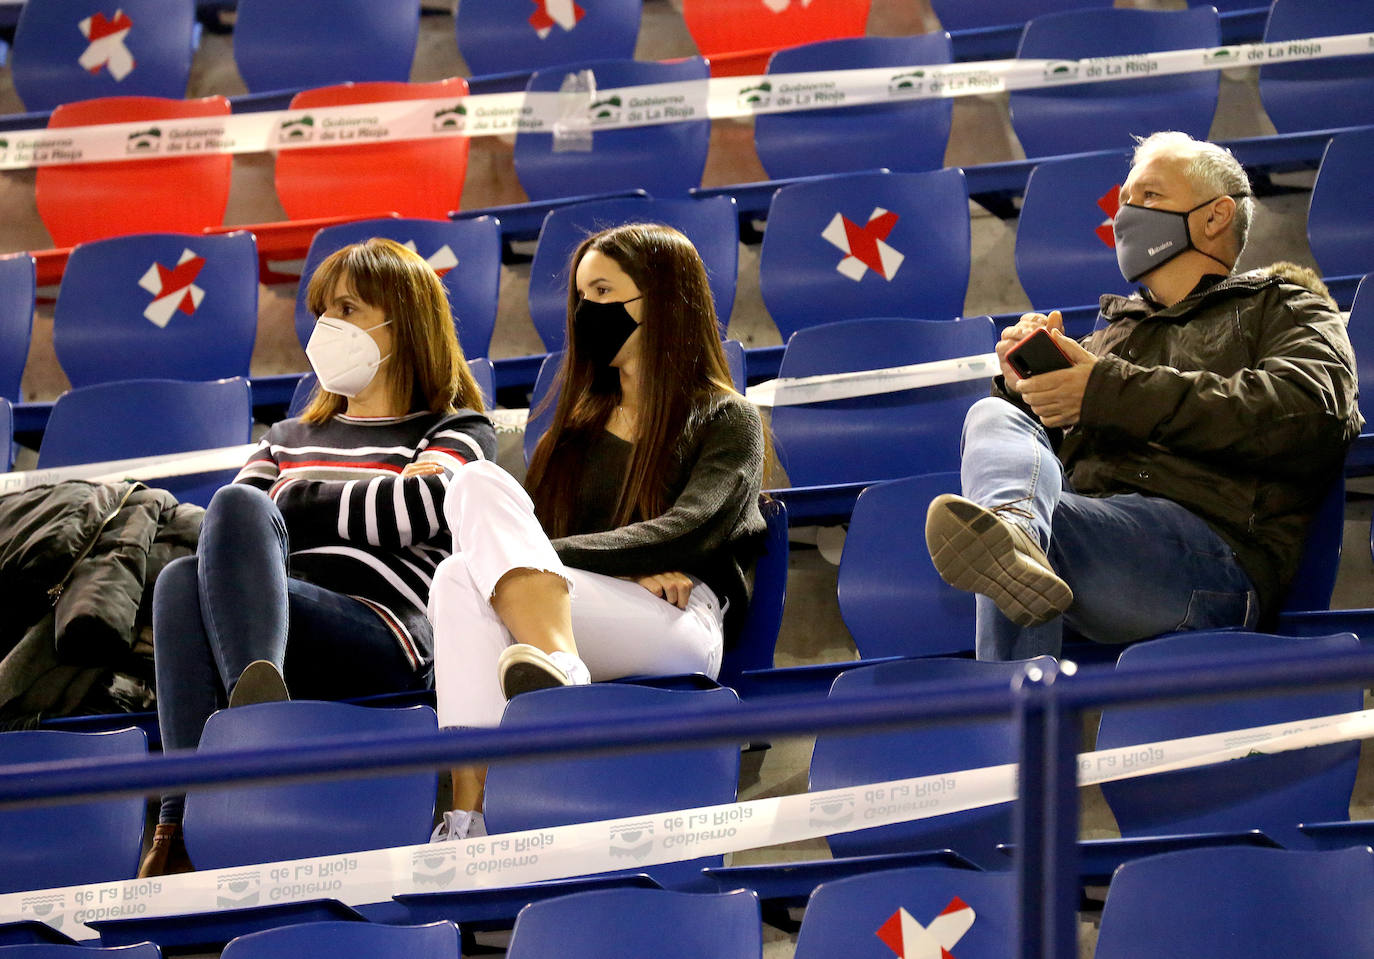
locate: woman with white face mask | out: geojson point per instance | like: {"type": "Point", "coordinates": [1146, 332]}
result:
{"type": "Point", "coordinates": [314, 566]}
{"type": "Point", "coordinates": [633, 550]}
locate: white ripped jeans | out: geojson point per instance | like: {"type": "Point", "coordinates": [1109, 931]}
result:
{"type": "Point", "coordinates": [621, 628]}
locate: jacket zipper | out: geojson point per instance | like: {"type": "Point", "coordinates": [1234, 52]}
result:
{"type": "Point", "coordinates": [55, 592]}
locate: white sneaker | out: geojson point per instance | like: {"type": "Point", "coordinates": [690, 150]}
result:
{"type": "Point", "coordinates": [459, 824]}
{"type": "Point", "coordinates": [522, 668]}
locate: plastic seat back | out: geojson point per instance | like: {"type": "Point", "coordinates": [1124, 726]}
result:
{"type": "Point", "coordinates": [738, 35]}
{"type": "Point", "coordinates": [916, 613]}
{"type": "Point", "coordinates": [71, 844]}
{"type": "Point", "coordinates": [530, 794]}
{"type": "Point", "coordinates": [271, 823]}
{"type": "Point", "coordinates": [613, 160]}
{"type": "Point", "coordinates": [973, 14]}
{"type": "Point", "coordinates": [859, 759]}
{"type": "Point", "coordinates": [130, 418]}
{"type": "Point", "coordinates": [1271, 793]}
{"type": "Point", "coordinates": [1065, 247]}
{"type": "Point", "coordinates": [79, 202]}
{"type": "Point", "coordinates": [632, 923]}
{"type": "Point", "coordinates": [155, 306]}
{"type": "Point", "coordinates": [415, 178]}
{"type": "Point", "coordinates": [1234, 903]}
{"type": "Point", "coordinates": [17, 286]}
{"type": "Point", "coordinates": [327, 940]}
{"type": "Point", "coordinates": [1340, 215]}
{"type": "Point", "coordinates": [1102, 116]}
{"type": "Point", "coordinates": [505, 37]}
{"type": "Point", "coordinates": [67, 50]}
{"type": "Point", "coordinates": [465, 253]}
{"type": "Point", "coordinates": [316, 43]}
{"type": "Point", "coordinates": [1360, 328]}
{"type": "Point", "coordinates": [1318, 94]}
{"type": "Point", "coordinates": [904, 135]}
{"type": "Point", "coordinates": [877, 244]}
{"type": "Point", "coordinates": [889, 435]}
{"type": "Point", "coordinates": [6, 434]}
{"type": "Point", "coordinates": [711, 225]}
{"type": "Point", "coordinates": [758, 638]}
{"type": "Point", "coordinates": [56, 950]}
{"type": "Point", "coordinates": [861, 916]}
{"type": "Point", "coordinates": [1315, 579]}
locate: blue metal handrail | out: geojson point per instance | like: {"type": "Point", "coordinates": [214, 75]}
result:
{"type": "Point", "coordinates": [1047, 703]}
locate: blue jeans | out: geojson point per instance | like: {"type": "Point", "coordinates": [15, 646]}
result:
{"type": "Point", "coordinates": [233, 603]}
{"type": "Point", "coordinates": [1138, 565]}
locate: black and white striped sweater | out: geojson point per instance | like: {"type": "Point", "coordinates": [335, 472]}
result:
{"type": "Point", "coordinates": [356, 526]}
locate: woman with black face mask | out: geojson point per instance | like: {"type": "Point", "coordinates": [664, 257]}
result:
{"type": "Point", "coordinates": [631, 552]}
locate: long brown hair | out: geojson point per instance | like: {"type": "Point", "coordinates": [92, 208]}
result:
{"type": "Point", "coordinates": [681, 364]}
{"type": "Point", "coordinates": [427, 370]}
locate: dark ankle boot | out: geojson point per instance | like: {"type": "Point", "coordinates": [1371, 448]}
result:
{"type": "Point", "coordinates": [168, 853]}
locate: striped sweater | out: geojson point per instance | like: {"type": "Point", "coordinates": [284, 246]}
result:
{"type": "Point", "coordinates": [356, 526]}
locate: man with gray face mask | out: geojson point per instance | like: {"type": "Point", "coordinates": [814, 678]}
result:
{"type": "Point", "coordinates": [1202, 423]}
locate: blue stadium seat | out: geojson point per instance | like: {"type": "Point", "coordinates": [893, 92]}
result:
{"type": "Point", "coordinates": [912, 614]}
{"type": "Point", "coordinates": [758, 638]}
{"type": "Point", "coordinates": [1340, 217]}
{"type": "Point", "coordinates": [710, 225]}
{"type": "Point", "coordinates": [982, 14]}
{"type": "Point", "coordinates": [6, 434]}
{"type": "Point", "coordinates": [67, 50]}
{"type": "Point", "coordinates": [275, 822]}
{"type": "Point", "coordinates": [1360, 328]}
{"type": "Point", "coordinates": [317, 43]}
{"type": "Point", "coordinates": [841, 760]}
{"type": "Point", "coordinates": [889, 435]}
{"type": "Point", "coordinates": [531, 794]}
{"type": "Point", "coordinates": [53, 950]}
{"type": "Point", "coordinates": [1269, 793]}
{"type": "Point", "coordinates": [130, 418]}
{"type": "Point", "coordinates": [549, 167]}
{"type": "Point", "coordinates": [16, 320]}
{"type": "Point", "coordinates": [1318, 94]}
{"type": "Point", "coordinates": [466, 253]}
{"type": "Point", "coordinates": [1065, 248]}
{"type": "Point", "coordinates": [874, 244]}
{"type": "Point", "coordinates": [328, 940]}
{"type": "Point", "coordinates": [1239, 903]}
{"type": "Point", "coordinates": [1103, 116]}
{"type": "Point", "coordinates": [71, 844]}
{"type": "Point", "coordinates": [164, 305]}
{"type": "Point", "coordinates": [864, 917]}
{"type": "Point", "coordinates": [515, 38]}
{"type": "Point", "coordinates": [634, 923]}
{"type": "Point", "coordinates": [907, 136]}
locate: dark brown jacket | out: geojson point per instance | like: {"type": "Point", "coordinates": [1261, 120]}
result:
{"type": "Point", "coordinates": [1237, 402]}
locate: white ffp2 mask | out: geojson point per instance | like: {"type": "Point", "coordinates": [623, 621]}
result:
{"type": "Point", "coordinates": [344, 357]}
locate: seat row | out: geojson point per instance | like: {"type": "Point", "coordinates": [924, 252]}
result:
{"type": "Point", "coordinates": [1297, 799]}
{"type": "Point", "coordinates": [186, 305]}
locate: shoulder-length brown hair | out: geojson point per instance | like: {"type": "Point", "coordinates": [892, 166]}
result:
{"type": "Point", "coordinates": [427, 369]}
{"type": "Point", "coordinates": [681, 364]}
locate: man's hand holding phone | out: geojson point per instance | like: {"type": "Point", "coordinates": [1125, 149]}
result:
{"type": "Point", "coordinates": [1049, 370]}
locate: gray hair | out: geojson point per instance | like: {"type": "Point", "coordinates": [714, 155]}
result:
{"type": "Point", "coordinates": [1210, 168]}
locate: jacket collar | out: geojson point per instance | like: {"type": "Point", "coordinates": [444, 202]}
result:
{"type": "Point", "coordinates": [1209, 289]}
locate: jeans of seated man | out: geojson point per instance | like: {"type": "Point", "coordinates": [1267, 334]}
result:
{"type": "Point", "coordinates": [1138, 565]}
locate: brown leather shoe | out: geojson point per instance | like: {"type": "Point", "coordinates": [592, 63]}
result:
{"type": "Point", "coordinates": [168, 853]}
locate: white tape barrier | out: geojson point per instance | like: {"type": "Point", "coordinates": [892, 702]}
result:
{"type": "Point", "coordinates": [137, 468]}
{"type": "Point", "coordinates": [718, 98]}
{"type": "Point", "coordinates": [794, 391]}
{"type": "Point", "coordinates": [634, 842]}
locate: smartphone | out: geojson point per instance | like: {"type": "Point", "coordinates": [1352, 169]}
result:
{"type": "Point", "coordinates": [1037, 353]}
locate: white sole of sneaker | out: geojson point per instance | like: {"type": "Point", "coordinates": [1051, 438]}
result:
{"type": "Point", "coordinates": [523, 669]}
{"type": "Point", "coordinates": [973, 550]}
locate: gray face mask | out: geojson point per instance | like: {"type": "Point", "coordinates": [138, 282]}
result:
{"type": "Point", "coordinates": [1147, 238]}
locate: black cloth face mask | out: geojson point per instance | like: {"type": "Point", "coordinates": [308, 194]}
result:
{"type": "Point", "coordinates": [601, 329]}
{"type": "Point", "coordinates": [1147, 238]}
